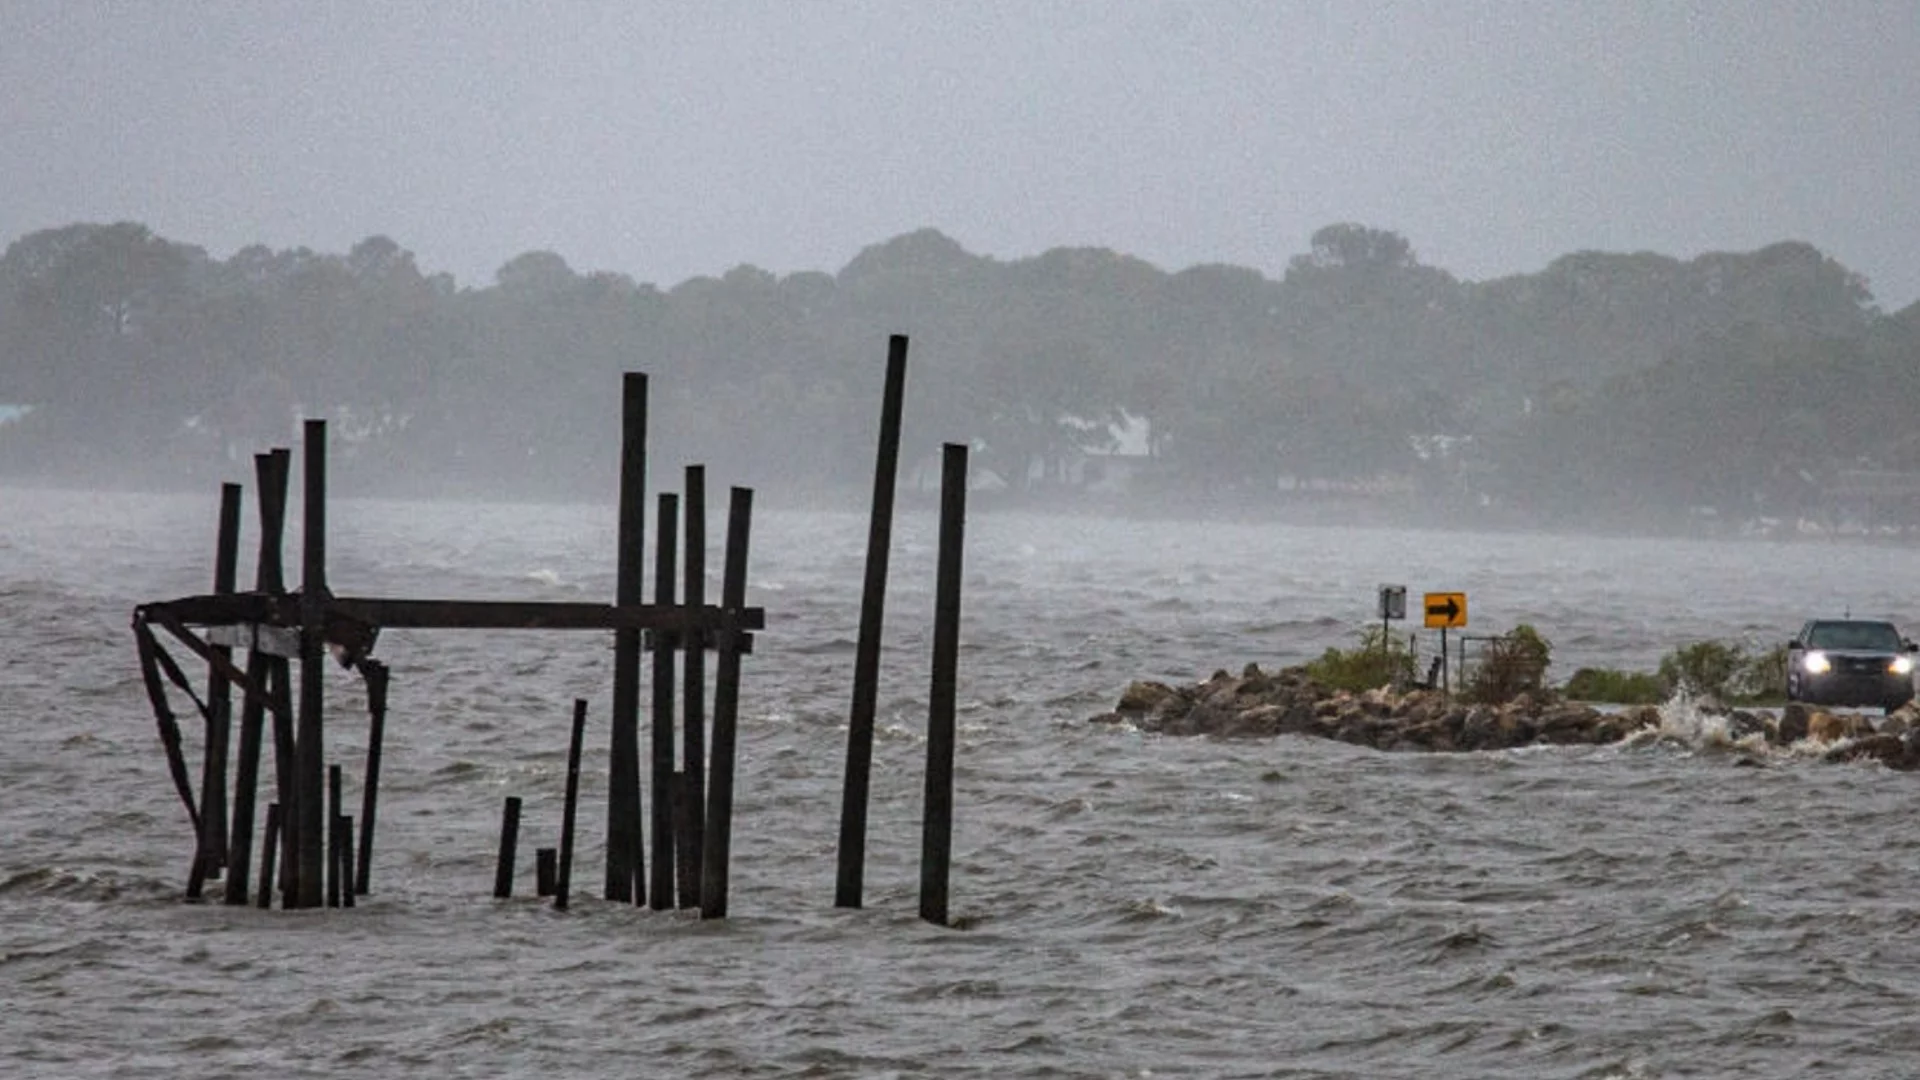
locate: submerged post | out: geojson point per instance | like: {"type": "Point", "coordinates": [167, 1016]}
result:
{"type": "Point", "coordinates": [310, 753]}
{"type": "Point", "coordinates": [625, 859]}
{"type": "Point", "coordinates": [269, 847]}
{"type": "Point", "coordinates": [866, 663]}
{"type": "Point", "coordinates": [509, 837]}
{"type": "Point", "coordinates": [666, 535]}
{"type": "Point", "coordinates": [691, 834]}
{"type": "Point", "coordinates": [344, 823]}
{"type": "Point", "coordinates": [544, 872]}
{"type": "Point", "coordinates": [563, 880]}
{"type": "Point", "coordinates": [936, 846]}
{"type": "Point", "coordinates": [213, 773]}
{"type": "Point", "coordinates": [271, 480]}
{"type": "Point", "coordinates": [726, 712]}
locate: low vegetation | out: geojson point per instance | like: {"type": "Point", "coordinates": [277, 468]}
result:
{"type": "Point", "coordinates": [1381, 660]}
{"type": "Point", "coordinates": [1513, 664]}
{"type": "Point", "coordinates": [1516, 663]}
{"type": "Point", "coordinates": [1719, 669]}
{"type": "Point", "coordinates": [1616, 687]}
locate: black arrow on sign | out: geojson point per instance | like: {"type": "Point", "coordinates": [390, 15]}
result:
{"type": "Point", "coordinates": [1450, 609]}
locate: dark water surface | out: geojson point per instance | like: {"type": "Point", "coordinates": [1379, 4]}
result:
{"type": "Point", "coordinates": [1132, 906]}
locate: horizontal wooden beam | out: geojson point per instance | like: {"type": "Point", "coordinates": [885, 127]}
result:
{"type": "Point", "coordinates": [284, 611]}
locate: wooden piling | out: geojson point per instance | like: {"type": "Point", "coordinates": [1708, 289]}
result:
{"type": "Point", "coordinates": [625, 859]}
{"type": "Point", "coordinates": [849, 882]}
{"type": "Point", "coordinates": [686, 862]}
{"type": "Point", "coordinates": [287, 766]}
{"type": "Point", "coordinates": [936, 845]}
{"type": "Point", "coordinates": [269, 847]}
{"type": "Point", "coordinates": [309, 817]}
{"type": "Point", "coordinates": [280, 680]}
{"type": "Point", "coordinates": [564, 880]}
{"type": "Point", "coordinates": [213, 773]}
{"type": "Point", "coordinates": [344, 861]}
{"type": "Point", "coordinates": [544, 870]}
{"type": "Point", "coordinates": [271, 481]}
{"type": "Point", "coordinates": [333, 852]}
{"type": "Point", "coordinates": [509, 836]}
{"type": "Point", "coordinates": [375, 673]}
{"type": "Point", "coordinates": [726, 713]}
{"type": "Point", "coordinates": [664, 642]}
{"type": "Point", "coordinates": [693, 743]}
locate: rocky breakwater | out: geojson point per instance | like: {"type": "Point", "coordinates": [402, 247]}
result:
{"type": "Point", "coordinates": [1259, 704]}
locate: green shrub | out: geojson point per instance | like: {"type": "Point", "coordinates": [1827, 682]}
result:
{"type": "Point", "coordinates": [1381, 660]}
{"type": "Point", "coordinates": [1513, 664]}
{"type": "Point", "coordinates": [1762, 679]}
{"type": "Point", "coordinates": [1726, 671]}
{"type": "Point", "coordinates": [1703, 667]}
{"type": "Point", "coordinates": [1616, 687]}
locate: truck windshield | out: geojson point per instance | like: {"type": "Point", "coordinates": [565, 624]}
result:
{"type": "Point", "coordinates": [1854, 635]}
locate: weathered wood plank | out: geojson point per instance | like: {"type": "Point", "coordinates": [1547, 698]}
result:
{"type": "Point", "coordinates": [241, 609]}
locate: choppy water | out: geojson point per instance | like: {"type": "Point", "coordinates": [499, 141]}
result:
{"type": "Point", "coordinates": [1134, 906]}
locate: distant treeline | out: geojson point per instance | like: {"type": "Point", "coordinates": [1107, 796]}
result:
{"type": "Point", "coordinates": [1635, 387]}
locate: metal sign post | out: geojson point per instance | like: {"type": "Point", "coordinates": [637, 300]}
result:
{"type": "Point", "coordinates": [1393, 605]}
{"type": "Point", "coordinates": [1443, 611]}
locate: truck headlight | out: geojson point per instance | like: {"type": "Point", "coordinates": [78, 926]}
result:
{"type": "Point", "coordinates": [1816, 663]}
{"type": "Point", "coordinates": [1901, 665]}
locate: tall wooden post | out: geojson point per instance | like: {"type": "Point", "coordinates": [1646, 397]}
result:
{"type": "Point", "coordinates": [213, 773]}
{"type": "Point", "coordinates": [563, 880]}
{"type": "Point", "coordinates": [625, 859]}
{"type": "Point", "coordinates": [375, 673]}
{"type": "Point", "coordinates": [310, 751]}
{"type": "Point", "coordinates": [270, 477]}
{"type": "Point", "coordinates": [693, 745]}
{"type": "Point", "coordinates": [335, 852]}
{"type": "Point", "coordinates": [279, 674]}
{"type": "Point", "coordinates": [726, 713]}
{"type": "Point", "coordinates": [936, 847]}
{"type": "Point", "coordinates": [850, 880]}
{"type": "Point", "coordinates": [666, 537]}
{"type": "Point", "coordinates": [286, 766]}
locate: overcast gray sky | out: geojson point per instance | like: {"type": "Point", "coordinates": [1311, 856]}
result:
{"type": "Point", "coordinates": [670, 140]}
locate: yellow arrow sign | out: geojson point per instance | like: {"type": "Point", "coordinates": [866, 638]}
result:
{"type": "Point", "coordinates": [1446, 610]}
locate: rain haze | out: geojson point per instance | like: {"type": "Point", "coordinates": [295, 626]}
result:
{"type": "Point", "coordinates": [1499, 389]}
{"type": "Point", "coordinates": [1472, 262]}
{"type": "Point", "coordinates": [665, 141]}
